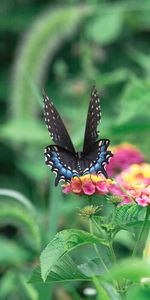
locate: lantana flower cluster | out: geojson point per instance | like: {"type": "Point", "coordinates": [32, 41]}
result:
{"type": "Point", "coordinates": [125, 155]}
{"type": "Point", "coordinates": [135, 181]}
{"type": "Point", "coordinates": [132, 185]}
{"type": "Point", "coordinates": [132, 193]}
{"type": "Point", "coordinates": [136, 173]}
{"type": "Point", "coordinates": [88, 185]}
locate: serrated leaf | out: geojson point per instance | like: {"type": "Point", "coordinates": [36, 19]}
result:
{"type": "Point", "coordinates": [63, 243]}
{"type": "Point", "coordinates": [123, 217]}
{"type": "Point", "coordinates": [126, 215]}
{"type": "Point", "coordinates": [64, 270]}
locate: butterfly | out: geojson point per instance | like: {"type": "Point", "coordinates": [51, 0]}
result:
{"type": "Point", "coordinates": [62, 157]}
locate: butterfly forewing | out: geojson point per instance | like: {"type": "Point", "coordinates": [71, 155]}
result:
{"type": "Point", "coordinates": [93, 119]}
{"type": "Point", "coordinates": [55, 125]}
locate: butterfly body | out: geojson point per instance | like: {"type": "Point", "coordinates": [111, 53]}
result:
{"type": "Point", "coordinates": [62, 157]}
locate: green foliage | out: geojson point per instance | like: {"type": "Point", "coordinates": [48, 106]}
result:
{"type": "Point", "coordinates": [64, 242]}
{"type": "Point", "coordinates": [64, 270]}
{"type": "Point", "coordinates": [13, 283]}
{"type": "Point", "coordinates": [123, 217]}
{"type": "Point", "coordinates": [126, 216]}
{"type": "Point", "coordinates": [138, 292]}
{"type": "Point", "coordinates": [63, 48]}
{"type": "Point", "coordinates": [11, 254]}
{"type": "Point", "coordinates": [21, 215]}
{"type": "Point", "coordinates": [46, 35]}
{"type": "Point", "coordinates": [135, 100]}
{"type": "Point", "coordinates": [131, 269]}
{"type": "Point", "coordinates": [106, 27]}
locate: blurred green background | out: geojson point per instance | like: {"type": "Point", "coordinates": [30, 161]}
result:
{"type": "Point", "coordinates": [62, 47]}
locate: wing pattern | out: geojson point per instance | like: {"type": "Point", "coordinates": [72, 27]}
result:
{"type": "Point", "coordinates": [66, 165]}
{"type": "Point", "coordinates": [62, 158]}
{"type": "Point", "coordinates": [56, 126]}
{"type": "Point", "coordinates": [61, 162]}
{"type": "Point", "coordinates": [97, 158]}
{"type": "Point", "coordinates": [93, 119]}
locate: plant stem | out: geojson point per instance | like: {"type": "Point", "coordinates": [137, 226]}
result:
{"type": "Point", "coordinates": [141, 232]}
{"type": "Point", "coordinates": [113, 256]}
{"type": "Point", "coordinates": [96, 249]}
{"type": "Point", "coordinates": [101, 291]}
{"type": "Point", "coordinates": [98, 227]}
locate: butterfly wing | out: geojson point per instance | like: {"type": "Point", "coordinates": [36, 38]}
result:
{"type": "Point", "coordinates": [56, 127]}
{"type": "Point", "coordinates": [96, 158]}
{"type": "Point", "coordinates": [62, 162]}
{"type": "Point", "coordinates": [93, 119]}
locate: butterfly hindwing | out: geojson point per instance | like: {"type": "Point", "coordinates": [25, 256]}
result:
{"type": "Point", "coordinates": [97, 157]}
{"type": "Point", "coordinates": [62, 162]}
{"type": "Point", "coordinates": [55, 125]}
{"type": "Point", "coordinates": [93, 119]}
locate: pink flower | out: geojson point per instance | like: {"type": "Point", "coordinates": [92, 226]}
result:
{"type": "Point", "coordinates": [124, 155]}
{"type": "Point", "coordinates": [88, 187]}
{"type": "Point", "coordinates": [76, 185]}
{"type": "Point", "coordinates": [143, 200]}
{"type": "Point", "coordinates": [102, 187]}
{"type": "Point", "coordinates": [125, 201]}
{"type": "Point", "coordinates": [132, 193]}
{"type": "Point", "coordinates": [116, 190]}
{"type": "Point", "coordinates": [67, 189]}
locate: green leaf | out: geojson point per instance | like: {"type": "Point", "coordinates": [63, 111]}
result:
{"type": "Point", "coordinates": [131, 269]}
{"type": "Point", "coordinates": [138, 292]}
{"type": "Point", "coordinates": [123, 217]}
{"type": "Point", "coordinates": [11, 254]}
{"type": "Point", "coordinates": [135, 101]}
{"type": "Point", "coordinates": [64, 242]}
{"type": "Point", "coordinates": [126, 215]}
{"type": "Point", "coordinates": [93, 267]}
{"type": "Point", "coordinates": [112, 292]}
{"type": "Point", "coordinates": [15, 195]}
{"type": "Point", "coordinates": [129, 128]}
{"type": "Point", "coordinates": [14, 284]}
{"type": "Point", "coordinates": [24, 220]}
{"type": "Point", "coordinates": [14, 131]}
{"type": "Point", "coordinates": [106, 27]}
{"type": "Point", "coordinates": [111, 78]}
{"type": "Point", "coordinates": [28, 290]}
{"type": "Point", "coordinates": [64, 270]}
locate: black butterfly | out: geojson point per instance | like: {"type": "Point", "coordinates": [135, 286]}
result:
{"type": "Point", "coordinates": [62, 157]}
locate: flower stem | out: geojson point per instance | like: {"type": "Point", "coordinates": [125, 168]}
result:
{"type": "Point", "coordinates": [96, 249]}
{"type": "Point", "coordinates": [98, 227]}
{"type": "Point", "coordinates": [113, 257]}
{"type": "Point", "coordinates": [141, 232]}
{"type": "Point", "coordinates": [112, 253]}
